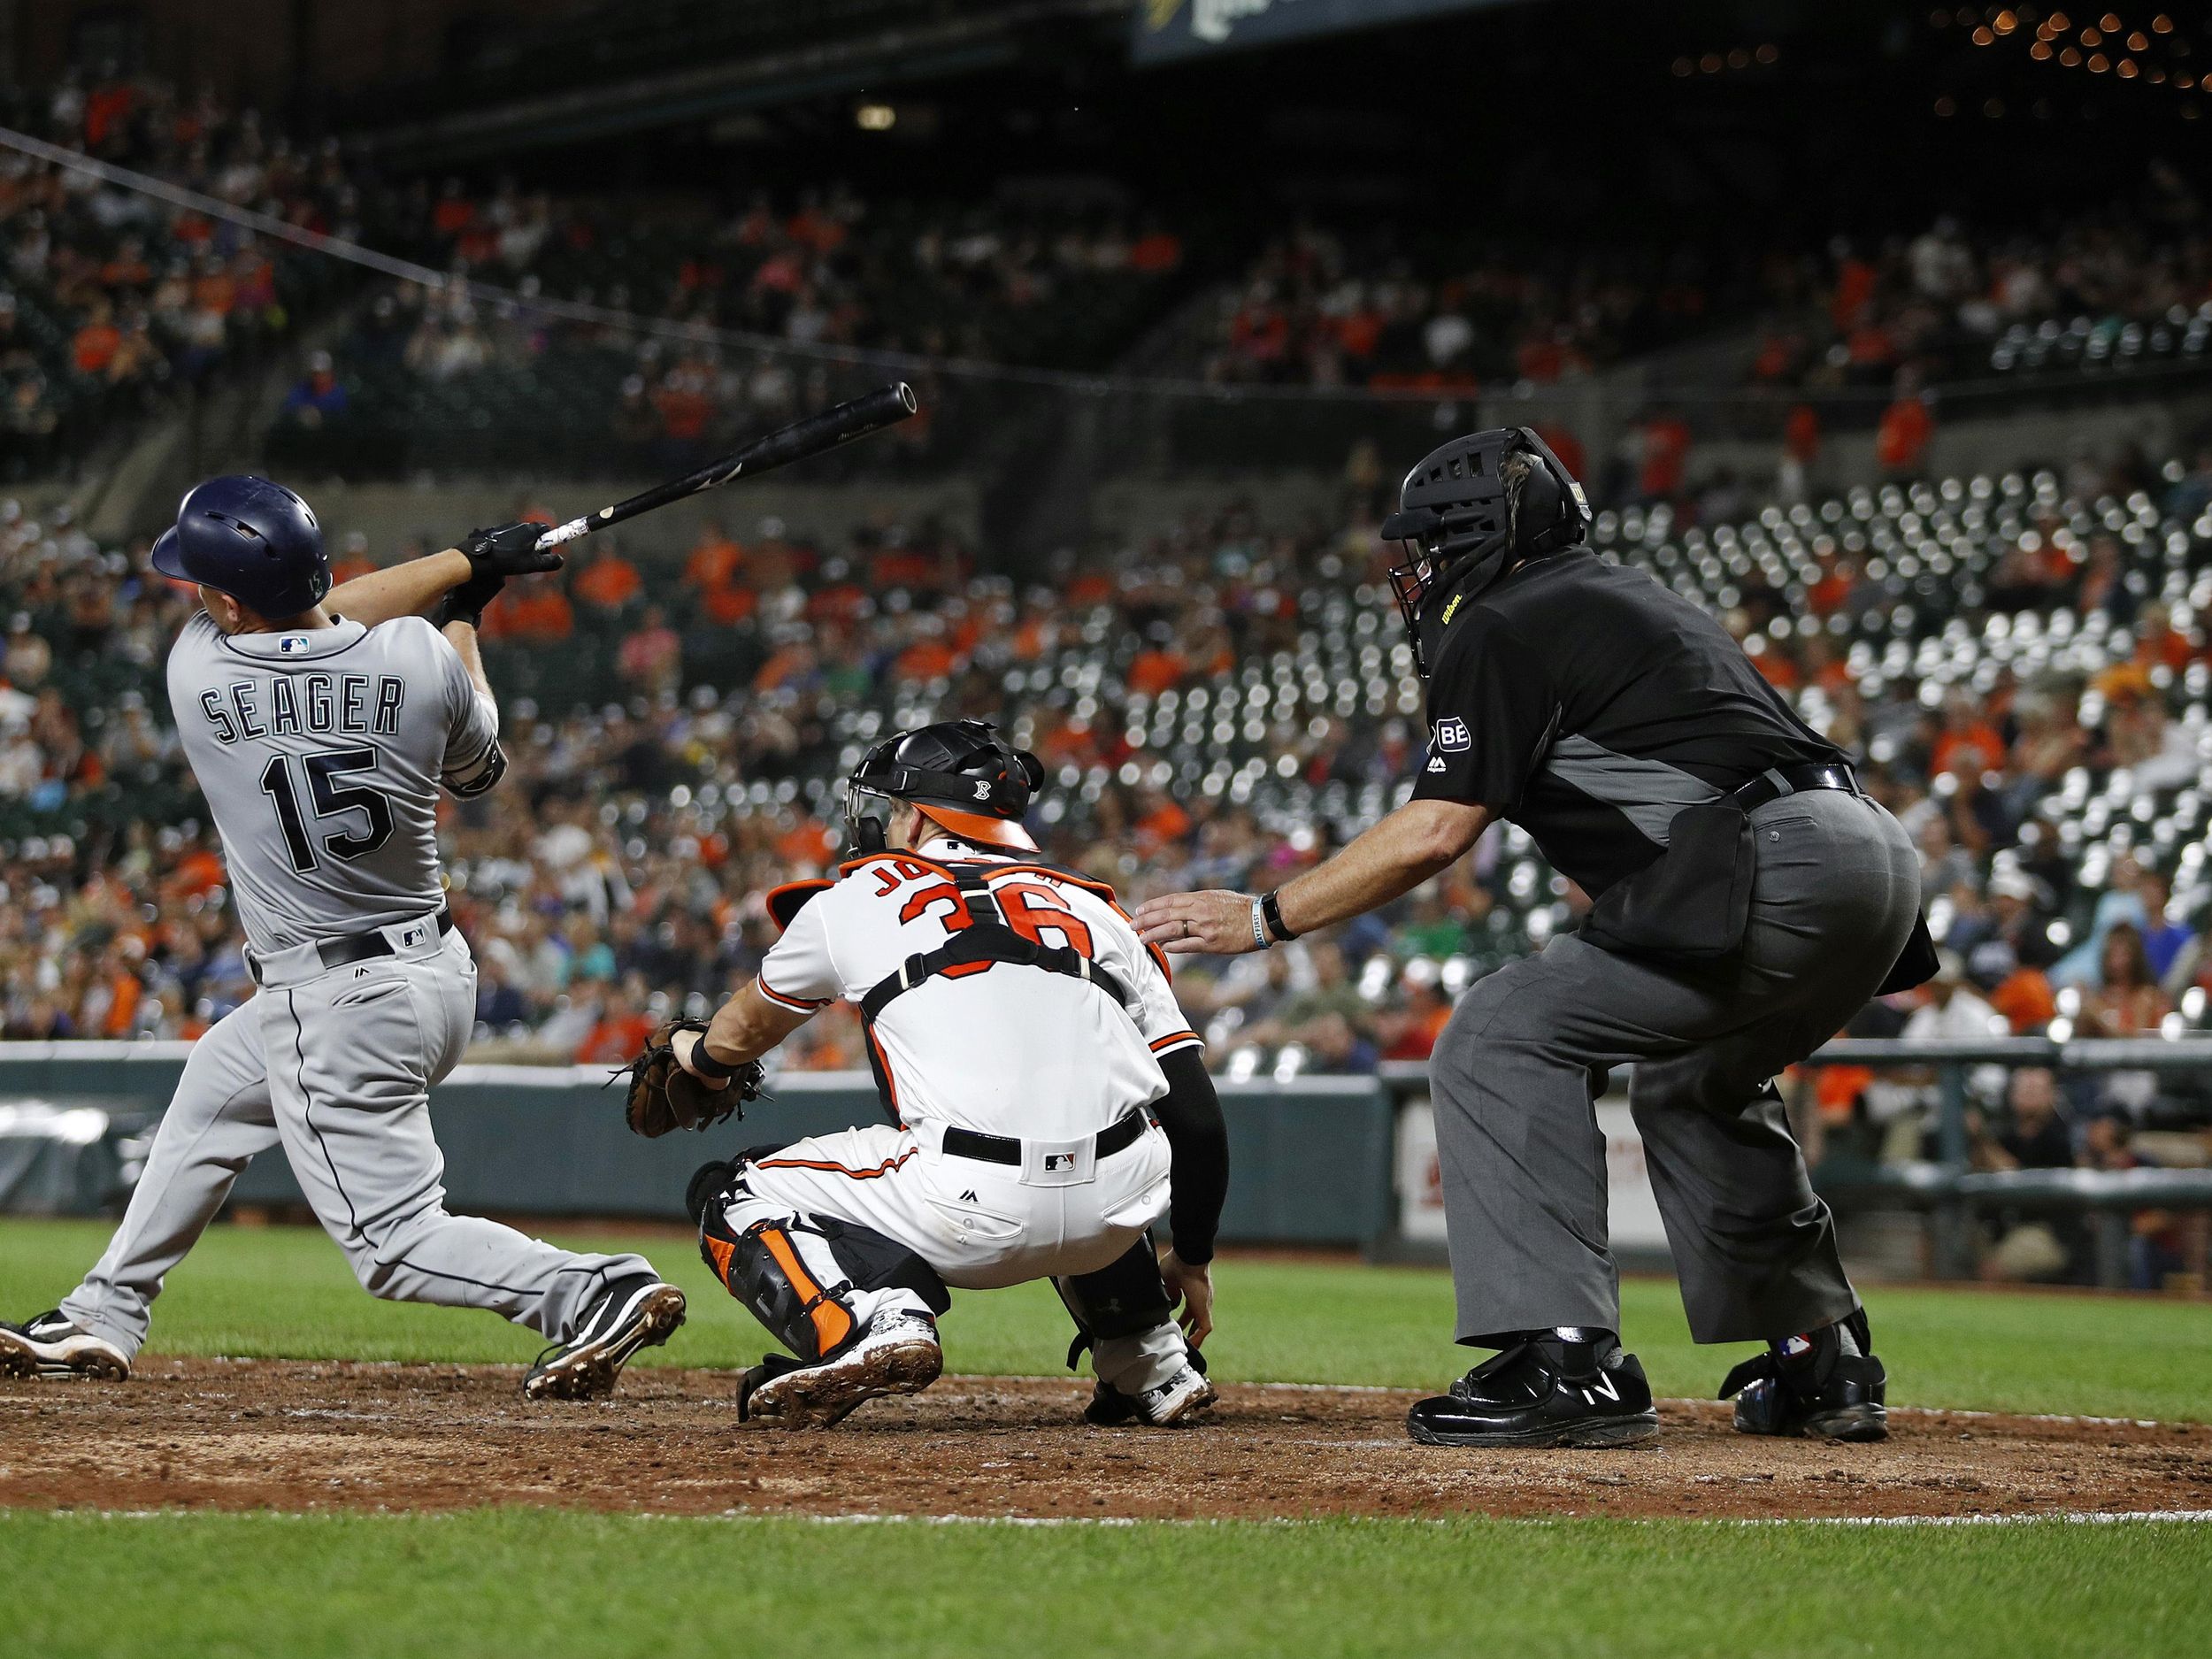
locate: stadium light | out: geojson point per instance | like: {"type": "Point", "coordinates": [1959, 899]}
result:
{"type": "Point", "coordinates": [875, 117]}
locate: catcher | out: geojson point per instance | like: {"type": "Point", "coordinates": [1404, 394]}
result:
{"type": "Point", "coordinates": [1050, 1105]}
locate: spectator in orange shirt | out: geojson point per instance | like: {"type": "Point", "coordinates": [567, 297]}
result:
{"type": "Point", "coordinates": [806, 843]}
{"type": "Point", "coordinates": [609, 581]}
{"type": "Point", "coordinates": [353, 560]}
{"type": "Point", "coordinates": [1900, 443]}
{"type": "Point", "coordinates": [97, 341]}
{"type": "Point", "coordinates": [714, 560]}
{"type": "Point", "coordinates": [1156, 669]}
{"type": "Point", "coordinates": [1963, 728]}
{"type": "Point", "coordinates": [619, 1034]}
{"type": "Point", "coordinates": [533, 609]}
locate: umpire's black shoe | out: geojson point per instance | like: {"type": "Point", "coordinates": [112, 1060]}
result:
{"type": "Point", "coordinates": [1825, 1385]}
{"type": "Point", "coordinates": [1545, 1390]}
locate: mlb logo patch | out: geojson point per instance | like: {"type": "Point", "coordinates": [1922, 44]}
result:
{"type": "Point", "coordinates": [1452, 735]}
{"type": "Point", "coordinates": [292, 645]}
{"type": "Point", "coordinates": [414, 936]}
{"type": "Point", "coordinates": [1058, 1160]}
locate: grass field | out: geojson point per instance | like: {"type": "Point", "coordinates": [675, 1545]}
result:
{"type": "Point", "coordinates": [552, 1582]}
{"type": "Point", "coordinates": [286, 1293]}
{"type": "Point", "coordinates": [542, 1582]}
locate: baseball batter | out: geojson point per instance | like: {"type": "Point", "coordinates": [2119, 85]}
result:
{"type": "Point", "coordinates": [322, 727]}
{"type": "Point", "coordinates": [1051, 1106]}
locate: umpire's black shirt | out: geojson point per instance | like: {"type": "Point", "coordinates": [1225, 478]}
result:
{"type": "Point", "coordinates": [1589, 705]}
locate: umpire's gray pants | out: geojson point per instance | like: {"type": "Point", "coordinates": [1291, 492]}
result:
{"type": "Point", "coordinates": [337, 1069]}
{"type": "Point", "coordinates": [1837, 889]}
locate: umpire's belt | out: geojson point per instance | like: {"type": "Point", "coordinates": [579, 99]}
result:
{"type": "Point", "coordinates": [1776, 781]}
{"type": "Point", "coordinates": [969, 1143]}
{"type": "Point", "coordinates": [326, 953]}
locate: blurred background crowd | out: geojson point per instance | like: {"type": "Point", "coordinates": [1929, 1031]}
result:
{"type": "Point", "coordinates": [1933, 440]}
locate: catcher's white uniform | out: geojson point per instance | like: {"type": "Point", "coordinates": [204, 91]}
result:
{"type": "Point", "coordinates": [1045, 1061]}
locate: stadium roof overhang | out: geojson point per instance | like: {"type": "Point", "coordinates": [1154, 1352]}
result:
{"type": "Point", "coordinates": [973, 37]}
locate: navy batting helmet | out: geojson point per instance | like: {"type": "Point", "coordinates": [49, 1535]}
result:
{"type": "Point", "coordinates": [253, 539]}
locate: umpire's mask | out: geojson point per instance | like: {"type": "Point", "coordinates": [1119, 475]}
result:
{"type": "Point", "coordinates": [1462, 526]}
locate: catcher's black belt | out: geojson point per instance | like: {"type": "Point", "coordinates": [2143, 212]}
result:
{"type": "Point", "coordinates": [986, 939]}
{"type": "Point", "coordinates": [352, 947]}
{"type": "Point", "coordinates": [1776, 781]}
{"type": "Point", "coordinates": [969, 1143]}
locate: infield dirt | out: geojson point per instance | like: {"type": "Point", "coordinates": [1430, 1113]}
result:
{"type": "Point", "coordinates": [265, 1435]}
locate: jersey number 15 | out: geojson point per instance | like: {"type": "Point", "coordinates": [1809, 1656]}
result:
{"type": "Point", "coordinates": [329, 800]}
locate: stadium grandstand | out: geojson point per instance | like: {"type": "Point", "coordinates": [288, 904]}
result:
{"type": "Point", "coordinates": [1947, 475]}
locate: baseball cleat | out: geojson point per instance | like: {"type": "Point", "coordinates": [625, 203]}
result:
{"type": "Point", "coordinates": [1824, 1384]}
{"type": "Point", "coordinates": [1543, 1390]}
{"type": "Point", "coordinates": [895, 1353]}
{"type": "Point", "coordinates": [635, 1313]}
{"type": "Point", "coordinates": [49, 1346]}
{"type": "Point", "coordinates": [1171, 1404]}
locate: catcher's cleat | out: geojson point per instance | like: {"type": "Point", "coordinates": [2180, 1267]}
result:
{"type": "Point", "coordinates": [636, 1312]}
{"type": "Point", "coordinates": [49, 1346]}
{"type": "Point", "coordinates": [895, 1353]}
{"type": "Point", "coordinates": [1171, 1404]}
{"type": "Point", "coordinates": [1824, 1384]}
{"type": "Point", "coordinates": [1545, 1390]}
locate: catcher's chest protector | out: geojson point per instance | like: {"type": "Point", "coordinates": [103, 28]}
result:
{"type": "Point", "coordinates": [984, 939]}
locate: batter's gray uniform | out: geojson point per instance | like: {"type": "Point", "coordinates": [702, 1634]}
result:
{"type": "Point", "coordinates": [321, 753]}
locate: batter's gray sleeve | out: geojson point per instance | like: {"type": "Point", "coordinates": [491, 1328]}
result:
{"type": "Point", "coordinates": [473, 759]}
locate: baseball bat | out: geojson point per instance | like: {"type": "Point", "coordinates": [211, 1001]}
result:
{"type": "Point", "coordinates": [883, 407]}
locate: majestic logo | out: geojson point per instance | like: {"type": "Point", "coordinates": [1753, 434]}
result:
{"type": "Point", "coordinates": [1436, 763]}
{"type": "Point", "coordinates": [1452, 735]}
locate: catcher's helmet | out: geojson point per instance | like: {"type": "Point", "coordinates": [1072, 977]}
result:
{"type": "Point", "coordinates": [253, 539]}
{"type": "Point", "coordinates": [1453, 513]}
{"type": "Point", "coordinates": [960, 774]}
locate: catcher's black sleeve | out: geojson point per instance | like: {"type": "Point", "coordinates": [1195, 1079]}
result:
{"type": "Point", "coordinates": [1198, 1142]}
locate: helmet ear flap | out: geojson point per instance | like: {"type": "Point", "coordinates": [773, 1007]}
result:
{"type": "Point", "coordinates": [1032, 770]}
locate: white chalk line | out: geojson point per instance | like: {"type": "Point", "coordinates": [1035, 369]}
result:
{"type": "Point", "coordinates": [2059, 1518]}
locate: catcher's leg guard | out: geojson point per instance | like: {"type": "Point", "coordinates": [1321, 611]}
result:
{"type": "Point", "coordinates": [1123, 1316]}
{"type": "Point", "coordinates": [813, 1283]}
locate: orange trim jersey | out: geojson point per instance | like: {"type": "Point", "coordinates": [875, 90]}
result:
{"type": "Point", "coordinates": [993, 1047]}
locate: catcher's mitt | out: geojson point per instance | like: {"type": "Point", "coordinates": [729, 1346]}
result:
{"type": "Point", "coordinates": [663, 1096]}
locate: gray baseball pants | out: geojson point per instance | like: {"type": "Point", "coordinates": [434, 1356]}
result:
{"type": "Point", "coordinates": [1833, 901]}
{"type": "Point", "coordinates": [337, 1065]}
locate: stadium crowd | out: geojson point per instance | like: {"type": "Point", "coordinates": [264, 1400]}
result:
{"type": "Point", "coordinates": [110, 300]}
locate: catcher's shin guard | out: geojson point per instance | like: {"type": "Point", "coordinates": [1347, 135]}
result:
{"type": "Point", "coordinates": [1122, 1315]}
{"type": "Point", "coordinates": [812, 1284]}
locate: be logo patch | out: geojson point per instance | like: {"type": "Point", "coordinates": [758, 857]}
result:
{"type": "Point", "coordinates": [1451, 735]}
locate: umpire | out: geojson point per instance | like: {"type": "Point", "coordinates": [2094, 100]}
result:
{"type": "Point", "coordinates": [1749, 899]}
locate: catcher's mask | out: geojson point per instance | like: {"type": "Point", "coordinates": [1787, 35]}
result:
{"type": "Point", "coordinates": [960, 774]}
{"type": "Point", "coordinates": [1459, 531]}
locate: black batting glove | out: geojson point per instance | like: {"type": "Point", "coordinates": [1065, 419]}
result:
{"type": "Point", "coordinates": [510, 550]}
{"type": "Point", "coordinates": [466, 603]}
